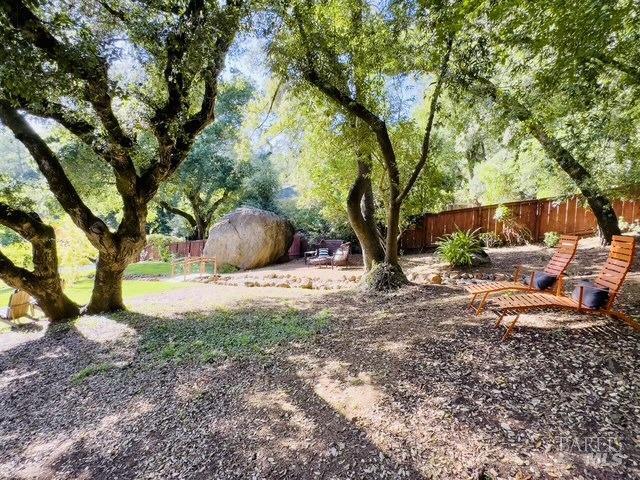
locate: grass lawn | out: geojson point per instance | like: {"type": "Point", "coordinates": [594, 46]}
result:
{"type": "Point", "coordinates": [80, 291]}
{"type": "Point", "coordinates": [149, 269]}
{"type": "Point", "coordinates": [158, 269]}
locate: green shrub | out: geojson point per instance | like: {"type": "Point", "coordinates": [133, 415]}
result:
{"type": "Point", "coordinates": [551, 239]}
{"type": "Point", "coordinates": [491, 239]}
{"type": "Point", "coordinates": [90, 371]}
{"type": "Point", "coordinates": [227, 268]}
{"type": "Point", "coordinates": [161, 243]}
{"type": "Point", "coordinates": [458, 248]}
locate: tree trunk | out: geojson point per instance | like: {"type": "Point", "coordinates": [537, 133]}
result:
{"type": "Point", "coordinates": [114, 259]}
{"type": "Point", "coordinates": [361, 216]}
{"type": "Point", "coordinates": [201, 227]}
{"type": "Point", "coordinates": [600, 205]}
{"type": "Point", "coordinates": [54, 303]}
{"type": "Point", "coordinates": [393, 231]}
{"type": "Point", "coordinates": [107, 287]}
{"type": "Point", "coordinates": [44, 283]}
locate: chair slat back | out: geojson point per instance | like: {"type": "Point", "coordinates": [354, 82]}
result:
{"type": "Point", "coordinates": [565, 251]}
{"type": "Point", "coordinates": [19, 304]}
{"type": "Point", "coordinates": [343, 251]}
{"type": "Point", "coordinates": [618, 263]}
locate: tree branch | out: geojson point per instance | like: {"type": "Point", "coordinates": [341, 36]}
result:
{"type": "Point", "coordinates": [177, 211]}
{"type": "Point", "coordinates": [59, 183]}
{"type": "Point", "coordinates": [174, 150]}
{"type": "Point", "coordinates": [92, 69]}
{"type": "Point", "coordinates": [426, 141]}
{"type": "Point", "coordinates": [178, 43]}
{"type": "Point", "coordinates": [214, 206]}
{"type": "Point", "coordinates": [630, 70]}
{"type": "Point", "coordinates": [30, 227]}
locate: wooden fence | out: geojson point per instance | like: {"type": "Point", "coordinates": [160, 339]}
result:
{"type": "Point", "coordinates": [191, 248]}
{"type": "Point", "coordinates": [539, 216]}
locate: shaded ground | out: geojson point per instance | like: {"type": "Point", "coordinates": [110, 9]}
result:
{"type": "Point", "coordinates": [407, 385]}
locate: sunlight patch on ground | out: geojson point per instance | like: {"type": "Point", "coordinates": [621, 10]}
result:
{"type": "Point", "coordinates": [39, 457]}
{"type": "Point", "coordinates": [102, 329]}
{"type": "Point", "coordinates": [203, 297]}
{"type": "Point", "coordinates": [13, 338]}
{"type": "Point", "coordinates": [9, 376]}
{"type": "Point", "coordinates": [352, 396]}
{"type": "Point", "coordinates": [398, 348]}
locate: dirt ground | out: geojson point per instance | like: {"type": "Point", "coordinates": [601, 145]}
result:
{"type": "Point", "coordinates": [405, 385]}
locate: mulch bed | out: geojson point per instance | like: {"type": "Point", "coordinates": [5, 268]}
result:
{"type": "Point", "coordinates": [406, 385]}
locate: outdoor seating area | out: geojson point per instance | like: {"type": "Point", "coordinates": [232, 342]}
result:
{"type": "Point", "coordinates": [373, 380]}
{"type": "Point", "coordinates": [550, 277]}
{"type": "Point", "coordinates": [312, 240]}
{"type": "Point", "coordinates": [589, 298]}
{"type": "Point", "coordinates": [327, 254]}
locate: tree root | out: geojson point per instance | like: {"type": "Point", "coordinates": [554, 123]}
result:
{"type": "Point", "coordinates": [384, 277]}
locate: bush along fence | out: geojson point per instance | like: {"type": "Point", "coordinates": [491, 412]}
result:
{"type": "Point", "coordinates": [537, 216]}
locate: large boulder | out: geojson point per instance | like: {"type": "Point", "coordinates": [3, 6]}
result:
{"type": "Point", "coordinates": [249, 238]}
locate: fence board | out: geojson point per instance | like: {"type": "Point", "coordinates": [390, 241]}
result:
{"type": "Point", "coordinates": [539, 216]}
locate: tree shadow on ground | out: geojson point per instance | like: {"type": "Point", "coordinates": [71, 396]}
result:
{"type": "Point", "coordinates": [406, 385]}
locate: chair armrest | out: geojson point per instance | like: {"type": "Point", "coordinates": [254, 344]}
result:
{"type": "Point", "coordinates": [517, 273]}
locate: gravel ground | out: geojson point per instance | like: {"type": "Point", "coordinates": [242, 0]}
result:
{"type": "Point", "coordinates": [407, 385]}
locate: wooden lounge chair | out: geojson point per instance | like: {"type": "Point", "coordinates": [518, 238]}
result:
{"type": "Point", "coordinates": [611, 277]}
{"type": "Point", "coordinates": [565, 252]}
{"type": "Point", "coordinates": [20, 305]}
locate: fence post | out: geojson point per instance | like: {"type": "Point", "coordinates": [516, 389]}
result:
{"type": "Point", "coordinates": [536, 225]}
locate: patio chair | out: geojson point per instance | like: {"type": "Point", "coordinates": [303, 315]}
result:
{"type": "Point", "coordinates": [591, 298]}
{"type": "Point", "coordinates": [341, 257]}
{"type": "Point", "coordinates": [20, 305]}
{"type": "Point", "coordinates": [550, 277]}
{"type": "Point", "coordinates": [321, 258]}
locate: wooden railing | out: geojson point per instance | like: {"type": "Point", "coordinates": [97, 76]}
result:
{"type": "Point", "coordinates": [187, 264]}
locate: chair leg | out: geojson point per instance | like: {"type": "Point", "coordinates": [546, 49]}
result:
{"type": "Point", "coordinates": [500, 317]}
{"type": "Point", "coordinates": [510, 328]}
{"type": "Point", "coordinates": [473, 297]}
{"type": "Point", "coordinates": [482, 303]}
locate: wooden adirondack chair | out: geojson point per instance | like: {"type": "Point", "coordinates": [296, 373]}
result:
{"type": "Point", "coordinates": [611, 276]}
{"type": "Point", "coordinates": [561, 259]}
{"type": "Point", "coordinates": [20, 305]}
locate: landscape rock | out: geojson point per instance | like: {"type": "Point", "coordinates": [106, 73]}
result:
{"type": "Point", "coordinates": [480, 258]}
{"type": "Point", "coordinates": [249, 238]}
